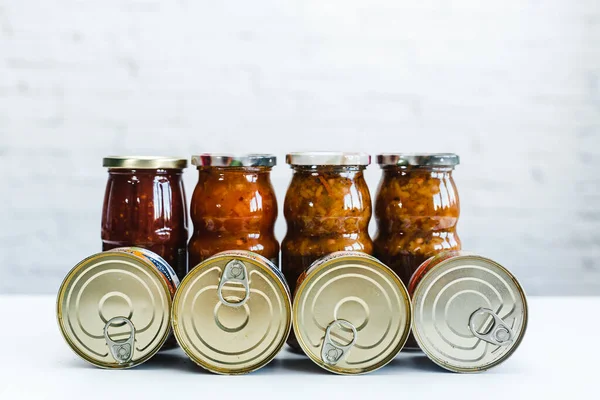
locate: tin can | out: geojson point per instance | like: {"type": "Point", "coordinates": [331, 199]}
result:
{"type": "Point", "coordinates": [351, 313]}
{"type": "Point", "coordinates": [470, 313]}
{"type": "Point", "coordinates": [114, 308]}
{"type": "Point", "coordinates": [232, 312]}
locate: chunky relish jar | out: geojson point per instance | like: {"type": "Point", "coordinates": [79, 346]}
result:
{"type": "Point", "coordinates": [416, 209]}
{"type": "Point", "coordinates": [145, 206]}
{"type": "Point", "coordinates": [327, 208]}
{"type": "Point", "coordinates": [233, 206]}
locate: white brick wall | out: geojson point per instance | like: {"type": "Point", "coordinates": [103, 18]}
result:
{"type": "Point", "coordinates": [512, 86]}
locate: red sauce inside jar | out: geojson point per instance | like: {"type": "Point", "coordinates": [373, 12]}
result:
{"type": "Point", "coordinates": [145, 206]}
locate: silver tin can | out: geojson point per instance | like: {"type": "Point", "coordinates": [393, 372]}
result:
{"type": "Point", "coordinates": [470, 313]}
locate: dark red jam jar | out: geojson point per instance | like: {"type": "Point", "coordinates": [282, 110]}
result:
{"type": "Point", "coordinates": [145, 206]}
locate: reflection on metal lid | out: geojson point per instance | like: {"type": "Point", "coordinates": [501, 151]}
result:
{"type": "Point", "coordinates": [144, 162]}
{"type": "Point", "coordinates": [113, 309]}
{"type": "Point", "coordinates": [232, 312]}
{"type": "Point", "coordinates": [234, 160]}
{"type": "Point", "coordinates": [470, 313]}
{"type": "Point", "coordinates": [351, 313]}
{"type": "Point", "coordinates": [418, 159]}
{"type": "Point", "coordinates": [322, 158]}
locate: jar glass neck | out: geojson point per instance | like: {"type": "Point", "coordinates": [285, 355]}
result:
{"type": "Point", "coordinates": [240, 169]}
{"type": "Point", "coordinates": [145, 171]}
{"type": "Point", "coordinates": [409, 169]}
{"type": "Point", "coordinates": [328, 168]}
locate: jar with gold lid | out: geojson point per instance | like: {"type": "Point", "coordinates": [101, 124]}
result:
{"type": "Point", "coordinates": [145, 206]}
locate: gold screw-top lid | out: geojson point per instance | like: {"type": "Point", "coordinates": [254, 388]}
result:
{"type": "Point", "coordinates": [351, 313]}
{"type": "Point", "coordinates": [470, 313]}
{"type": "Point", "coordinates": [113, 309]}
{"type": "Point", "coordinates": [232, 312]}
{"type": "Point", "coordinates": [144, 162]}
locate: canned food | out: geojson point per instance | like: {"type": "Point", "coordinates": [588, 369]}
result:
{"type": "Point", "coordinates": [470, 313]}
{"type": "Point", "coordinates": [232, 312]}
{"type": "Point", "coordinates": [351, 313]}
{"type": "Point", "coordinates": [114, 308]}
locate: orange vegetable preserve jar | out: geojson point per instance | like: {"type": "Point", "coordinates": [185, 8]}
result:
{"type": "Point", "coordinates": [416, 209]}
{"type": "Point", "coordinates": [233, 206]}
{"type": "Point", "coordinates": [145, 206]}
{"type": "Point", "coordinates": [327, 208]}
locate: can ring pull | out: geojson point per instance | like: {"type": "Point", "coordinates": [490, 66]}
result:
{"type": "Point", "coordinates": [499, 333]}
{"type": "Point", "coordinates": [332, 352]}
{"type": "Point", "coordinates": [122, 351]}
{"type": "Point", "coordinates": [235, 272]}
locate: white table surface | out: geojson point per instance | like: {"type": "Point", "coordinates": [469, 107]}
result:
{"type": "Point", "coordinates": [559, 356]}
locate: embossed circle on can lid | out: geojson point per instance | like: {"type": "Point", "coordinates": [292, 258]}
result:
{"type": "Point", "coordinates": [113, 309]}
{"type": "Point", "coordinates": [351, 313]}
{"type": "Point", "coordinates": [470, 313]}
{"type": "Point", "coordinates": [232, 312]}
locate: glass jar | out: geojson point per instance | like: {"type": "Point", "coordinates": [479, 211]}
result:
{"type": "Point", "coordinates": [145, 206]}
{"type": "Point", "coordinates": [327, 208]}
{"type": "Point", "coordinates": [416, 209]}
{"type": "Point", "coordinates": [233, 206]}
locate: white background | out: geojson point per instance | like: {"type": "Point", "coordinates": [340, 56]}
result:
{"type": "Point", "coordinates": [512, 86]}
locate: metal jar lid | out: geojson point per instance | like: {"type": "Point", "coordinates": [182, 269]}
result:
{"type": "Point", "coordinates": [470, 313]}
{"type": "Point", "coordinates": [113, 309]}
{"type": "Point", "coordinates": [234, 160]}
{"type": "Point", "coordinates": [144, 162]}
{"type": "Point", "coordinates": [232, 312]}
{"type": "Point", "coordinates": [351, 313]}
{"type": "Point", "coordinates": [314, 158]}
{"type": "Point", "coordinates": [418, 159]}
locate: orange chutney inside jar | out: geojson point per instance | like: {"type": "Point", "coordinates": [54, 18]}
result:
{"type": "Point", "coordinates": [327, 209]}
{"type": "Point", "coordinates": [416, 209]}
{"type": "Point", "coordinates": [233, 207]}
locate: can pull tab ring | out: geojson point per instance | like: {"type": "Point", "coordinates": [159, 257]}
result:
{"type": "Point", "coordinates": [499, 333]}
{"type": "Point", "coordinates": [122, 351]}
{"type": "Point", "coordinates": [234, 272]}
{"type": "Point", "coordinates": [332, 352]}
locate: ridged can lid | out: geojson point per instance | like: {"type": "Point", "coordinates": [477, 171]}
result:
{"type": "Point", "coordinates": [113, 309]}
{"type": "Point", "coordinates": [351, 313]}
{"type": "Point", "coordinates": [232, 312]}
{"type": "Point", "coordinates": [144, 162]}
{"type": "Point", "coordinates": [470, 313]}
